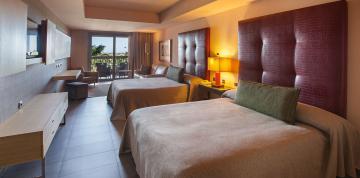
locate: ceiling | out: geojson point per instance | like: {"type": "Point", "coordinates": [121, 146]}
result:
{"type": "Point", "coordinates": [135, 15]}
{"type": "Point", "coordinates": [136, 5]}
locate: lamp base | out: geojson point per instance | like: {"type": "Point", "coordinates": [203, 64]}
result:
{"type": "Point", "coordinates": [217, 82]}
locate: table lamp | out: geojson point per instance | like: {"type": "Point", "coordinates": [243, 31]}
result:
{"type": "Point", "coordinates": [218, 65]}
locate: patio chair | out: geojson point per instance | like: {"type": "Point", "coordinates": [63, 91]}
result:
{"type": "Point", "coordinates": [123, 70]}
{"type": "Point", "coordinates": [88, 76]}
{"type": "Point", "coordinates": [103, 70]}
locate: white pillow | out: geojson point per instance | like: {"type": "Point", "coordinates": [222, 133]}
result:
{"type": "Point", "coordinates": [229, 94]}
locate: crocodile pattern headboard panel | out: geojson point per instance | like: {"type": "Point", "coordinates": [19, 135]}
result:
{"type": "Point", "coordinates": [304, 48]}
{"type": "Point", "coordinates": [193, 51]}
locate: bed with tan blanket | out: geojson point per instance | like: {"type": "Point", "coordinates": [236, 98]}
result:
{"type": "Point", "coordinates": [227, 140]}
{"type": "Point", "coordinates": [130, 94]}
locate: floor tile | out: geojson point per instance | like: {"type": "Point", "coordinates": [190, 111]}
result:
{"type": "Point", "coordinates": [54, 157]}
{"type": "Point", "coordinates": [87, 162]}
{"type": "Point", "coordinates": [89, 125]}
{"type": "Point", "coordinates": [88, 139]}
{"type": "Point", "coordinates": [88, 149]}
{"type": "Point", "coordinates": [59, 143]}
{"type": "Point", "coordinates": [116, 128]}
{"type": "Point", "coordinates": [33, 169]}
{"type": "Point", "coordinates": [92, 117]}
{"type": "Point", "coordinates": [106, 171]}
{"type": "Point", "coordinates": [101, 129]}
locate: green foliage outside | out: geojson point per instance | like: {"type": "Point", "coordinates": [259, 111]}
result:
{"type": "Point", "coordinates": [97, 50]}
{"type": "Point", "coordinates": [98, 56]}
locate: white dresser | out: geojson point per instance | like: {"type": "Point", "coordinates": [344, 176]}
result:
{"type": "Point", "coordinates": [27, 135]}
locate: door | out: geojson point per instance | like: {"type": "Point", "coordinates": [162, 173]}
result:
{"type": "Point", "coordinates": [122, 70]}
{"type": "Point", "coordinates": [109, 57]}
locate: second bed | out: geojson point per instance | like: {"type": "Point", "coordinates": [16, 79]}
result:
{"type": "Point", "coordinates": [130, 94]}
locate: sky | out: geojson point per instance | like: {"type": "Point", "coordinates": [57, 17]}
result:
{"type": "Point", "coordinates": [121, 44]}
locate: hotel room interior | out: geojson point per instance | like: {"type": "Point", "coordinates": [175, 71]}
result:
{"type": "Point", "coordinates": [180, 88]}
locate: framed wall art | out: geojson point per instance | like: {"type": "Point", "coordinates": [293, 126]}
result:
{"type": "Point", "coordinates": [165, 51]}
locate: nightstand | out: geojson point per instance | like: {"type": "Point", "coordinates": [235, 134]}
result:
{"type": "Point", "coordinates": [212, 92]}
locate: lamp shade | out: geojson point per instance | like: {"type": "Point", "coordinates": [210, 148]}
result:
{"type": "Point", "coordinates": [219, 64]}
{"type": "Point", "coordinates": [213, 64]}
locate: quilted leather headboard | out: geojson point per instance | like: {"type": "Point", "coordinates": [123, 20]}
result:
{"type": "Point", "coordinates": [193, 50]}
{"type": "Point", "coordinates": [304, 48]}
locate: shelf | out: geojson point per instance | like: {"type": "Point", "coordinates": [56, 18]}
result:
{"type": "Point", "coordinates": [32, 61]}
{"type": "Point", "coordinates": [67, 75]}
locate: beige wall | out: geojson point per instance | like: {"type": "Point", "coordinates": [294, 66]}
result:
{"type": "Point", "coordinates": [157, 36]}
{"type": "Point", "coordinates": [223, 26]}
{"type": "Point", "coordinates": [79, 49]}
{"type": "Point", "coordinates": [353, 105]}
{"type": "Point", "coordinates": [223, 34]}
{"type": "Point", "coordinates": [171, 33]}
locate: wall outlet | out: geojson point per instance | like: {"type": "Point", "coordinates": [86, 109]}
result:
{"type": "Point", "coordinates": [20, 104]}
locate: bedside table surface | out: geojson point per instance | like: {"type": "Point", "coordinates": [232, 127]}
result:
{"type": "Point", "coordinates": [215, 90]}
{"type": "Point", "coordinates": [224, 88]}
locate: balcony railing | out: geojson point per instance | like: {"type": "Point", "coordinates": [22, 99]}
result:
{"type": "Point", "coordinates": [105, 66]}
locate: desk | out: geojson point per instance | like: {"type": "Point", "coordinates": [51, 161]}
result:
{"type": "Point", "coordinates": [67, 75]}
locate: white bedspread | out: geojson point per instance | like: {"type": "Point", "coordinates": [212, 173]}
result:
{"type": "Point", "coordinates": [217, 138]}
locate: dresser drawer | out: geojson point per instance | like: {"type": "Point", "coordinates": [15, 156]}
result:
{"type": "Point", "coordinates": [52, 125]}
{"type": "Point", "coordinates": [53, 122]}
{"type": "Point", "coordinates": [56, 118]}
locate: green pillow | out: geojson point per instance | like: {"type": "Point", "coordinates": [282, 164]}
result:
{"type": "Point", "coordinates": [175, 73]}
{"type": "Point", "coordinates": [278, 102]}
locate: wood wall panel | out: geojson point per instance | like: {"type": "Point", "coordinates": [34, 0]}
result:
{"type": "Point", "coordinates": [49, 37]}
{"type": "Point", "coordinates": [13, 18]}
{"type": "Point", "coordinates": [62, 45]}
{"type": "Point", "coordinates": [57, 44]}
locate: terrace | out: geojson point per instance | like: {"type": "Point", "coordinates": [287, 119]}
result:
{"type": "Point", "coordinates": [109, 68]}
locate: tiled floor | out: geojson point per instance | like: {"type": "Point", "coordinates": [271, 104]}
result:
{"type": "Point", "coordinates": [100, 89]}
{"type": "Point", "coordinates": [87, 146]}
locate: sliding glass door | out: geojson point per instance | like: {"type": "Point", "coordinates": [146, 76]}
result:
{"type": "Point", "coordinates": [121, 57]}
{"type": "Point", "coordinates": [109, 56]}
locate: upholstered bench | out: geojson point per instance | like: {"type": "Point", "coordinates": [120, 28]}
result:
{"type": "Point", "coordinates": [155, 70]}
{"type": "Point", "coordinates": [77, 90]}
